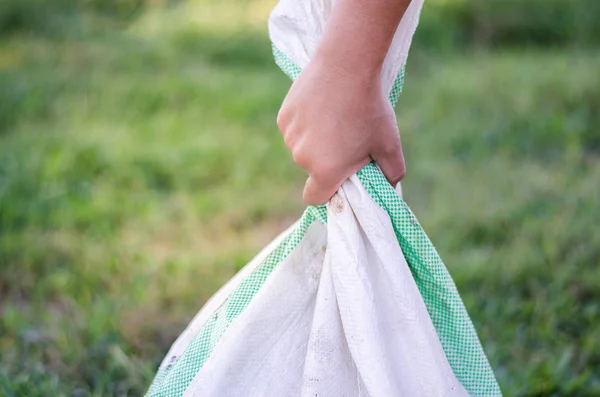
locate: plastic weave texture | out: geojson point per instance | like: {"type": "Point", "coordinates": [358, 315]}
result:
{"type": "Point", "coordinates": [452, 323]}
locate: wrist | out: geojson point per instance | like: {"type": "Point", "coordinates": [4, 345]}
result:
{"type": "Point", "coordinates": [357, 36]}
{"type": "Point", "coordinates": [348, 62]}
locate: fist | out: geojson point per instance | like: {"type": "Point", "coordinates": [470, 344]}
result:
{"type": "Point", "coordinates": [334, 123]}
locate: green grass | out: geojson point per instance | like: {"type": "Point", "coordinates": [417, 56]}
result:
{"type": "Point", "coordinates": [140, 169]}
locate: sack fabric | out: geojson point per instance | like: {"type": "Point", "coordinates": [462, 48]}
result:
{"type": "Point", "coordinates": [351, 300]}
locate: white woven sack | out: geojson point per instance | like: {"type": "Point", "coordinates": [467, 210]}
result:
{"type": "Point", "coordinates": [340, 316]}
{"type": "Point", "coordinates": [331, 307]}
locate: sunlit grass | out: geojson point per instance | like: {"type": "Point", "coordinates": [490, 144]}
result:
{"type": "Point", "coordinates": [140, 169]}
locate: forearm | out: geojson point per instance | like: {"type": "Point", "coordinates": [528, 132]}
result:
{"type": "Point", "coordinates": [358, 35]}
{"type": "Point", "coordinates": [335, 119]}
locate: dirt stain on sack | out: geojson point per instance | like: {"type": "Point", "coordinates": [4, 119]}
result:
{"type": "Point", "coordinates": [336, 204]}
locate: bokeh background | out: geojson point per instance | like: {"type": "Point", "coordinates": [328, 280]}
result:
{"type": "Point", "coordinates": [140, 167]}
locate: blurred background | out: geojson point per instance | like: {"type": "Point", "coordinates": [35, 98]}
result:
{"type": "Point", "coordinates": [141, 167]}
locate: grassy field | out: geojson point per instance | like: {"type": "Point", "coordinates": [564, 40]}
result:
{"type": "Point", "coordinates": [140, 168]}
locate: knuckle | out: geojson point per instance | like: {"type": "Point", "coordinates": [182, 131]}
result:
{"type": "Point", "coordinates": [300, 158]}
{"type": "Point", "coordinates": [282, 117]}
{"type": "Point", "coordinates": [324, 172]}
{"type": "Point", "coordinates": [288, 140]}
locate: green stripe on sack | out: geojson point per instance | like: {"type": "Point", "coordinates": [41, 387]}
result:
{"type": "Point", "coordinates": [293, 71]}
{"type": "Point", "coordinates": [444, 305]}
{"type": "Point", "coordinates": [446, 309]}
{"type": "Point", "coordinates": [173, 381]}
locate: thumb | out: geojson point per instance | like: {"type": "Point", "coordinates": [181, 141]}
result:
{"type": "Point", "coordinates": [316, 192]}
{"type": "Point", "coordinates": [391, 161]}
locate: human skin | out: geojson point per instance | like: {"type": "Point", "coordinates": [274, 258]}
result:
{"type": "Point", "coordinates": [336, 118]}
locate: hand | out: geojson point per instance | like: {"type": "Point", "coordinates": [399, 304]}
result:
{"type": "Point", "coordinates": [335, 122]}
